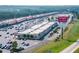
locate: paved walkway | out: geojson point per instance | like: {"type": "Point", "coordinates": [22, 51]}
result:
{"type": "Point", "coordinates": [71, 48]}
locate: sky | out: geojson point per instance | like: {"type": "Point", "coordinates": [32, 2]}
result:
{"type": "Point", "coordinates": [39, 2]}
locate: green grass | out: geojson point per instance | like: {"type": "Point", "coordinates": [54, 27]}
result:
{"type": "Point", "coordinates": [76, 51]}
{"type": "Point", "coordinates": [74, 33]}
{"type": "Point", "coordinates": [53, 46]}
{"type": "Point", "coordinates": [58, 46]}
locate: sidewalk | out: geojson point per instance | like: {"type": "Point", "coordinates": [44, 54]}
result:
{"type": "Point", "coordinates": [71, 48]}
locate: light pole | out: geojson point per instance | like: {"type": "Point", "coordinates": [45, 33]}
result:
{"type": "Point", "coordinates": [15, 19]}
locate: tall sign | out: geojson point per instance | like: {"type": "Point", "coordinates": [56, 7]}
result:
{"type": "Point", "coordinates": [61, 20]}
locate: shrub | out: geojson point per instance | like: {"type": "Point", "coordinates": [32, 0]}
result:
{"type": "Point", "coordinates": [0, 51]}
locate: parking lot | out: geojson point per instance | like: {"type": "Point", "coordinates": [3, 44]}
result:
{"type": "Point", "coordinates": [7, 35]}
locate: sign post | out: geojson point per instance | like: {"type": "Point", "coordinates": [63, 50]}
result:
{"type": "Point", "coordinates": [61, 26]}
{"type": "Point", "coordinates": [62, 33]}
{"type": "Point", "coordinates": [61, 20]}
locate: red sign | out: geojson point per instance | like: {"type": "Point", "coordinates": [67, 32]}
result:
{"type": "Point", "coordinates": [62, 18]}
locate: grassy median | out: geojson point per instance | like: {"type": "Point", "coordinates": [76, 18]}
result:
{"type": "Point", "coordinates": [76, 51]}
{"type": "Point", "coordinates": [70, 36]}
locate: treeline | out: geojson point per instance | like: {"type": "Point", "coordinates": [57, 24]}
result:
{"type": "Point", "coordinates": [8, 12]}
{"type": "Point", "coordinates": [15, 12]}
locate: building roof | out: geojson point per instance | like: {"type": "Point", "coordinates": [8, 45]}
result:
{"type": "Point", "coordinates": [33, 28]}
{"type": "Point", "coordinates": [41, 29]}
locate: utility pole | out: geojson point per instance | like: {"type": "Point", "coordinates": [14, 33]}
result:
{"type": "Point", "coordinates": [61, 26]}
{"type": "Point", "coordinates": [62, 33]}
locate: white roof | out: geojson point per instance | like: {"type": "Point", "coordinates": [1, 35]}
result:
{"type": "Point", "coordinates": [33, 28]}
{"type": "Point", "coordinates": [41, 29]}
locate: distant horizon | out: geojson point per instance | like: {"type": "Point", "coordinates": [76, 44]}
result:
{"type": "Point", "coordinates": [11, 11]}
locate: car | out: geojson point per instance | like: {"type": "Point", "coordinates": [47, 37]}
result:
{"type": "Point", "coordinates": [9, 42]}
{"type": "Point", "coordinates": [20, 48]}
{"type": "Point", "coordinates": [27, 44]}
{"type": "Point", "coordinates": [2, 47]}
{"type": "Point", "coordinates": [8, 47]}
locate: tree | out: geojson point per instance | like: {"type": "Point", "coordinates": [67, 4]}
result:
{"type": "Point", "coordinates": [14, 46]}
{"type": "Point", "coordinates": [48, 19]}
{"type": "Point", "coordinates": [52, 17]}
{"type": "Point", "coordinates": [24, 36]}
{"type": "Point", "coordinates": [31, 36]}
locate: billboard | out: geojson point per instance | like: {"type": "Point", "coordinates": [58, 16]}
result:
{"type": "Point", "coordinates": [62, 18]}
